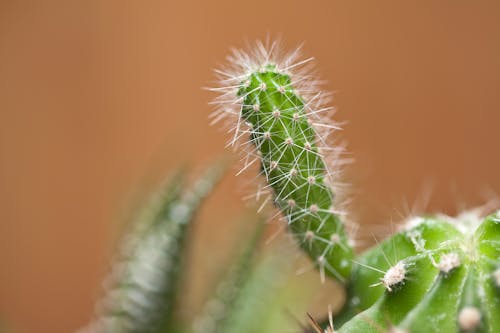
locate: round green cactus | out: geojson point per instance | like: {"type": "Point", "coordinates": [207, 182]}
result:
{"type": "Point", "coordinates": [443, 280]}
{"type": "Point", "coordinates": [438, 274]}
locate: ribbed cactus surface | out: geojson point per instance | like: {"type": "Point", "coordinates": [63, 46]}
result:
{"type": "Point", "coordinates": [437, 276]}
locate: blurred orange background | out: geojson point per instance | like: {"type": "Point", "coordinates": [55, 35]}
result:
{"type": "Point", "coordinates": [100, 99]}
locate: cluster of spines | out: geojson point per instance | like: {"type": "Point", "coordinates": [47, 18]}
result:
{"type": "Point", "coordinates": [285, 124]}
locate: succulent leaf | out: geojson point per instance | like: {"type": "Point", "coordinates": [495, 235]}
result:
{"type": "Point", "coordinates": [143, 285]}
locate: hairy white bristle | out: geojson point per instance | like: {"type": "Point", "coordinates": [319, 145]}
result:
{"type": "Point", "coordinates": [256, 107]}
{"type": "Point", "coordinates": [394, 276]}
{"type": "Point", "coordinates": [276, 113]}
{"type": "Point", "coordinates": [291, 203]}
{"type": "Point", "coordinates": [263, 86]}
{"type": "Point", "coordinates": [448, 262]}
{"type": "Point", "coordinates": [288, 141]}
{"type": "Point", "coordinates": [413, 222]}
{"type": "Point", "coordinates": [311, 180]}
{"type": "Point", "coordinates": [469, 318]}
{"type": "Point", "coordinates": [267, 135]}
{"type": "Point", "coordinates": [293, 172]}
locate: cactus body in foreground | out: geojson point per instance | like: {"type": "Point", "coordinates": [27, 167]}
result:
{"type": "Point", "coordinates": [439, 274]}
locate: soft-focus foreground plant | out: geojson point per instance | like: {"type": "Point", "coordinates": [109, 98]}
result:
{"type": "Point", "coordinates": [437, 274]}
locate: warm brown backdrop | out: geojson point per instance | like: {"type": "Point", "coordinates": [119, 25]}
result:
{"type": "Point", "coordinates": [100, 98]}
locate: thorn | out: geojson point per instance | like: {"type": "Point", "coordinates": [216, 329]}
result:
{"type": "Point", "coordinates": [321, 263]}
{"type": "Point", "coordinates": [314, 323]}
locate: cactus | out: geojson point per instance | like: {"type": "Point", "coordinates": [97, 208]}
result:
{"type": "Point", "coordinates": [437, 274]}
